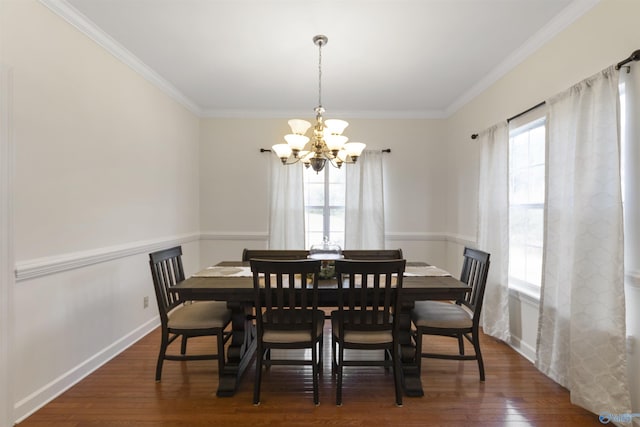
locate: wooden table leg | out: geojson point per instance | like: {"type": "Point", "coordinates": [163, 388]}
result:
{"type": "Point", "coordinates": [241, 348]}
{"type": "Point", "coordinates": [410, 374]}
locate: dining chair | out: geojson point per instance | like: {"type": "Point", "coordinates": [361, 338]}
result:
{"type": "Point", "coordinates": [372, 254]}
{"type": "Point", "coordinates": [459, 319]}
{"type": "Point", "coordinates": [185, 319]}
{"type": "Point", "coordinates": [368, 295]}
{"type": "Point", "coordinates": [282, 254]}
{"type": "Point", "coordinates": [287, 315]}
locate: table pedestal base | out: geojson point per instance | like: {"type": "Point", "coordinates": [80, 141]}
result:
{"type": "Point", "coordinates": [241, 348]}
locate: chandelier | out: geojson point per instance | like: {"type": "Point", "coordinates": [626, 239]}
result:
{"type": "Point", "coordinates": [327, 144]}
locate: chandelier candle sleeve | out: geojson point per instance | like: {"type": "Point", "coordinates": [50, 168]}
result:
{"type": "Point", "coordinates": [326, 144]}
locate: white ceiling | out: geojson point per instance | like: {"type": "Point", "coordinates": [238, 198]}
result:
{"type": "Point", "coordinates": [384, 58]}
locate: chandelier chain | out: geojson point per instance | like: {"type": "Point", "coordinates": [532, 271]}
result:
{"type": "Point", "coordinates": [320, 75]}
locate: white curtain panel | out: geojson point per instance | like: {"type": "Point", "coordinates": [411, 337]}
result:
{"type": "Point", "coordinates": [631, 197]}
{"type": "Point", "coordinates": [286, 219]}
{"type": "Point", "coordinates": [493, 227]}
{"type": "Point", "coordinates": [581, 335]}
{"type": "Point", "coordinates": [364, 205]}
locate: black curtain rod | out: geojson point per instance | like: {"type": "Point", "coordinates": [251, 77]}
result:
{"type": "Point", "coordinates": [268, 150]}
{"type": "Point", "coordinates": [635, 56]}
{"type": "Point", "coordinates": [538, 105]}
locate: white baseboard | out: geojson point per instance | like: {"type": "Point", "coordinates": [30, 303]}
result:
{"type": "Point", "coordinates": [48, 392]}
{"type": "Point", "coordinates": [523, 348]}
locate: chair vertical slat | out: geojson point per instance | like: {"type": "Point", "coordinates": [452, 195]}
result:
{"type": "Point", "coordinates": [387, 297]}
{"type": "Point", "coordinates": [364, 319]}
{"type": "Point", "coordinates": [286, 314]}
{"type": "Point", "coordinates": [167, 271]}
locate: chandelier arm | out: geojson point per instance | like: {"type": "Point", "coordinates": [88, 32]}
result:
{"type": "Point", "coordinates": [289, 162]}
{"type": "Point", "coordinates": [334, 163]}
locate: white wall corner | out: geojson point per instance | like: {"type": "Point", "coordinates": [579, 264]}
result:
{"type": "Point", "coordinates": [6, 245]}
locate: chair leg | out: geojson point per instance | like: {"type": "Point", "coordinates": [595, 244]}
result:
{"type": "Point", "coordinates": [461, 344]}
{"type": "Point", "coordinates": [163, 350]}
{"type": "Point", "coordinates": [320, 344]}
{"type": "Point", "coordinates": [334, 354]}
{"type": "Point", "coordinates": [395, 358]}
{"type": "Point", "coordinates": [314, 369]}
{"type": "Point", "coordinates": [418, 357]}
{"type": "Point", "coordinates": [183, 345]}
{"type": "Point", "coordinates": [220, 339]}
{"type": "Point", "coordinates": [256, 384]}
{"type": "Point", "coordinates": [340, 368]}
{"type": "Point", "coordinates": [476, 347]}
{"type": "Point", "coordinates": [386, 360]}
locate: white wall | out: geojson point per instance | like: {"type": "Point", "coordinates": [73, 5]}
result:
{"type": "Point", "coordinates": [234, 186]}
{"type": "Point", "coordinates": [106, 170]}
{"type": "Point", "coordinates": [605, 35]}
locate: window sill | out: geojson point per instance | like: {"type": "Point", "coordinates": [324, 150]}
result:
{"type": "Point", "coordinates": [525, 294]}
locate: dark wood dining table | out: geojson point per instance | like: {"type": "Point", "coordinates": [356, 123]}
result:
{"type": "Point", "coordinates": [239, 294]}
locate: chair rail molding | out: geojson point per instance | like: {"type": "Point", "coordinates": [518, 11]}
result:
{"type": "Point", "coordinates": [421, 236]}
{"type": "Point", "coordinates": [31, 269]}
{"type": "Point", "coordinates": [235, 235]}
{"type": "Point", "coordinates": [39, 267]}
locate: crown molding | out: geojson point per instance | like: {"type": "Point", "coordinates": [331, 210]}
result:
{"type": "Point", "coordinates": [345, 114]}
{"type": "Point", "coordinates": [568, 16]}
{"type": "Point", "coordinates": [63, 9]}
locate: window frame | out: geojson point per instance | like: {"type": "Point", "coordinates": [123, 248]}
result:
{"type": "Point", "coordinates": [327, 207]}
{"type": "Point", "coordinates": [527, 124]}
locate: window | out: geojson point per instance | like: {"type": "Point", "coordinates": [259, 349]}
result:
{"type": "Point", "coordinates": [324, 198]}
{"type": "Point", "coordinates": [526, 204]}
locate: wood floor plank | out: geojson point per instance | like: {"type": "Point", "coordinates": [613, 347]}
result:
{"type": "Point", "coordinates": [123, 393]}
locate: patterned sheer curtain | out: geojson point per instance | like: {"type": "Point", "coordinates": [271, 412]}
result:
{"type": "Point", "coordinates": [493, 227]}
{"type": "Point", "coordinates": [286, 219]}
{"type": "Point", "coordinates": [581, 334]}
{"type": "Point", "coordinates": [364, 205]}
{"type": "Point", "coordinates": [631, 196]}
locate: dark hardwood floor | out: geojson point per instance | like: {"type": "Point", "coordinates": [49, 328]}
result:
{"type": "Point", "coordinates": [124, 393]}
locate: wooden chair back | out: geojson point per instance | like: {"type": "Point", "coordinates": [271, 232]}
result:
{"type": "Point", "coordinates": [474, 273]}
{"type": "Point", "coordinates": [286, 293]}
{"type": "Point", "coordinates": [368, 291]}
{"type": "Point", "coordinates": [248, 254]}
{"type": "Point", "coordinates": [372, 254]}
{"type": "Point", "coordinates": [167, 271]}
{"type": "Point", "coordinates": [360, 254]}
